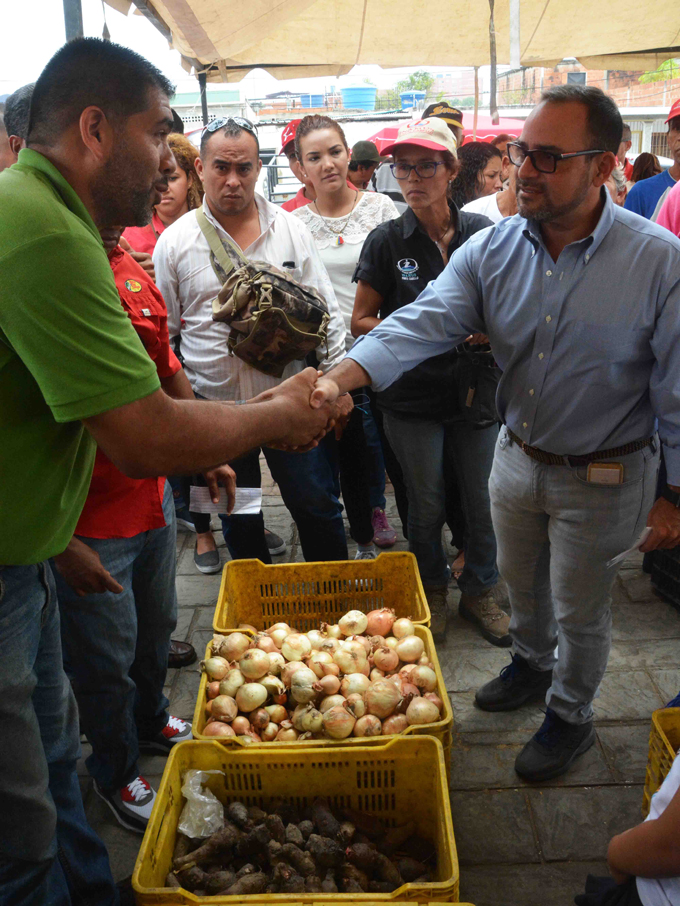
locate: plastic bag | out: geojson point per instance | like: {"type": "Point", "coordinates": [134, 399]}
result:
{"type": "Point", "coordinates": [203, 813]}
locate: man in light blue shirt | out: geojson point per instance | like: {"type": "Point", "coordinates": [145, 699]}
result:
{"type": "Point", "coordinates": [580, 300]}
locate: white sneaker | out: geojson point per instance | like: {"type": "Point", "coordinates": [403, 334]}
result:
{"type": "Point", "coordinates": [132, 804]}
{"type": "Point", "coordinates": [368, 554]}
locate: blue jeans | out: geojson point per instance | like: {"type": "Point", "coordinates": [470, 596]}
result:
{"type": "Point", "coordinates": [376, 461]}
{"type": "Point", "coordinates": [306, 484]}
{"type": "Point", "coordinates": [425, 450]}
{"type": "Point", "coordinates": [556, 531]}
{"type": "Point", "coordinates": [49, 855]}
{"type": "Point", "coordinates": [116, 647]}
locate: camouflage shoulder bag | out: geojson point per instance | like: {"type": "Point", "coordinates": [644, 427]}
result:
{"type": "Point", "coordinates": [274, 319]}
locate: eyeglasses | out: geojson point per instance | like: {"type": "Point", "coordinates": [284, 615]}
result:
{"type": "Point", "coordinates": [239, 121]}
{"type": "Point", "coordinates": [543, 161]}
{"type": "Point", "coordinates": [425, 170]}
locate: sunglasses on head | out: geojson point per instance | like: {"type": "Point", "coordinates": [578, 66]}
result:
{"type": "Point", "coordinates": [239, 121]}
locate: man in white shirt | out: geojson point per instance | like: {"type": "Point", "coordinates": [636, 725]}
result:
{"type": "Point", "coordinates": [229, 165]}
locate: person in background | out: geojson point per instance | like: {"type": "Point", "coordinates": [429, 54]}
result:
{"type": "Point", "coordinates": [363, 162]}
{"type": "Point", "coordinates": [500, 204]}
{"type": "Point", "coordinates": [647, 195]}
{"type": "Point", "coordinates": [624, 147]}
{"type": "Point", "coordinates": [423, 420]}
{"type": "Point", "coordinates": [646, 165]}
{"type": "Point", "coordinates": [17, 109]}
{"type": "Point", "coordinates": [6, 154]}
{"type": "Point", "coordinates": [228, 166]}
{"type": "Point", "coordinates": [501, 142]}
{"type": "Point", "coordinates": [339, 219]}
{"type": "Point", "coordinates": [616, 186]}
{"type": "Point", "coordinates": [452, 116]}
{"type": "Point", "coordinates": [479, 173]}
{"type": "Point", "coordinates": [306, 193]}
{"type": "Point", "coordinates": [669, 215]}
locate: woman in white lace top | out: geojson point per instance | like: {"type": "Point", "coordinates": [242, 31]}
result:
{"type": "Point", "coordinates": [340, 219]}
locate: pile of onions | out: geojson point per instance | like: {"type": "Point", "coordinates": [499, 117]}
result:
{"type": "Point", "coordinates": [366, 675]}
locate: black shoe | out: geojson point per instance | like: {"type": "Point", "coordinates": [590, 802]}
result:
{"type": "Point", "coordinates": [552, 749]}
{"type": "Point", "coordinates": [275, 543]}
{"type": "Point", "coordinates": [517, 684]}
{"type": "Point", "coordinates": [181, 654]}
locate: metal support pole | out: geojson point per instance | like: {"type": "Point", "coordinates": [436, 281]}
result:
{"type": "Point", "coordinates": [493, 108]}
{"type": "Point", "coordinates": [73, 19]}
{"type": "Point", "coordinates": [476, 113]}
{"type": "Point", "coordinates": [204, 96]}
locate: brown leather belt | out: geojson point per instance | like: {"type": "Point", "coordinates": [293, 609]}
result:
{"type": "Point", "coordinates": [554, 459]}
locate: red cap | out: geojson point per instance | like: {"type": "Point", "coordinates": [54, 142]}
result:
{"type": "Point", "coordinates": [674, 111]}
{"type": "Point", "coordinates": [288, 134]}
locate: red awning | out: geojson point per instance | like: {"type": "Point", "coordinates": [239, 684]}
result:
{"type": "Point", "coordinates": [486, 130]}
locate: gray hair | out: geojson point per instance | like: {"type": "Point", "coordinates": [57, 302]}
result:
{"type": "Point", "coordinates": [619, 178]}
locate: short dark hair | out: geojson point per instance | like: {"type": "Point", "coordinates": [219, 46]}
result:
{"type": "Point", "coordinates": [177, 122]}
{"type": "Point", "coordinates": [91, 72]}
{"type": "Point", "coordinates": [231, 129]}
{"type": "Point", "coordinates": [503, 137]}
{"type": "Point", "coordinates": [626, 134]}
{"type": "Point", "coordinates": [17, 111]}
{"type": "Point", "coordinates": [355, 164]}
{"type": "Point", "coordinates": [603, 121]}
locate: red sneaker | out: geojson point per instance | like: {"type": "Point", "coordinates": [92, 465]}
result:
{"type": "Point", "coordinates": [383, 533]}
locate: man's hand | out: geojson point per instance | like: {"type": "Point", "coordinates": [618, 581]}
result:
{"type": "Point", "coordinates": [477, 339]}
{"type": "Point", "coordinates": [222, 475]}
{"type": "Point", "coordinates": [301, 425]}
{"type": "Point", "coordinates": [325, 391]}
{"type": "Point", "coordinates": [342, 411]}
{"type": "Point", "coordinates": [143, 259]}
{"type": "Point", "coordinates": [664, 520]}
{"type": "Point", "coordinates": [81, 568]}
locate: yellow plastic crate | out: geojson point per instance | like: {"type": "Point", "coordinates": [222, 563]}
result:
{"type": "Point", "coordinates": [441, 729]}
{"type": "Point", "coordinates": [664, 742]}
{"type": "Point", "coordinates": [377, 781]}
{"type": "Point", "coordinates": [308, 594]}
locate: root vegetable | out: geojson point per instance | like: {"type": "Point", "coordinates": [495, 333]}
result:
{"type": "Point", "coordinates": [215, 667]}
{"type": "Point", "coordinates": [217, 728]}
{"type": "Point", "coordinates": [409, 648]}
{"type": "Point", "coordinates": [376, 675]}
{"type": "Point", "coordinates": [254, 664]}
{"type": "Point", "coordinates": [278, 627]}
{"type": "Point", "coordinates": [274, 686]}
{"type": "Point", "coordinates": [245, 870]}
{"type": "Point", "coordinates": [171, 880]}
{"type": "Point", "coordinates": [368, 858]}
{"type": "Point", "coordinates": [276, 828]}
{"type": "Point", "coordinates": [395, 837]}
{"type": "Point", "coordinates": [356, 702]}
{"type": "Point", "coordinates": [354, 622]}
{"type": "Point", "coordinates": [402, 628]}
{"type": "Point", "coordinates": [395, 723]}
{"type": "Point", "coordinates": [232, 682]}
{"type": "Point", "coordinates": [278, 637]}
{"type": "Point", "coordinates": [316, 661]}
{"type": "Point", "coordinates": [391, 642]}
{"type": "Point", "coordinates": [192, 878]}
{"type": "Point", "coordinates": [224, 708]}
{"type": "Point", "coordinates": [410, 869]}
{"type": "Point", "coordinates": [329, 685]}
{"type": "Point", "coordinates": [301, 861]}
{"type": "Point", "coordinates": [213, 689]}
{"type": "Point", "coordinates": [233, 646]}
{"type": "Point", "coordinates": [214, 848]}
{"type": "Point", "coordinates": [331, 701]}
{"type": "Point", "coordinates": [277, 713]}
{"type": "Point", "coordinates": [293, 835]}
{"type": "Point", "coordinates": [302, 686]}
{"type": "Point", "coordinates": [289, 734]}
{"type": "Point", "coordinates": [254, 843]}
{"type": "Point", "coordinates": [324, 820]}
{"type": "Point", "coordinates": [313, 884]}
{"type": "Point", "coordinates": [354, 682]}
{"type": "Point", "coordinates": [259, 719]}
{"type": "Point", "coordinates": [422, 711]}
{"type": "Point", "coordinates": [368, 725]}
{"type": "Point", "coordinates": [237, 813]}
{"type": "Point", "coordinates": [296, 647]}
{"type": "Point", "coordinates": [219, 880]}
{"type": "Point", "coordinates": [250, 696]}
{"type": "Point", "coordinates": [433, 697]}
{"type": "Point", "coordinates": [325, 852]}
{"type": "Point", "coordinates": [346, 833]}
{"type": "Point", "coordinates": [289, 669]}
{"type": "Point", "coordinates": [381, 887]}
{"type": "Point", "coordinates": [386, 659]}
{"type": "Point", "coordinates": [382, 698]}
{"type": "Point", "coordinates": [350, 885]}
{"type": "Point", "coordinates": [182, 847]}
{"type": "Point", "coordinates": [338, 722]}
{"type": "Point", "coordinates": [316, 637]}
{"type": "Point", "coordinates": [256, 815]}
{"type": "Point", "coordinates": [248, 884]}
{"type": "Point", "coordinates": [424, 678]}
{"type": "Point", "coordinates": [306, 828]}
{"type": "Point", "coordinates": [351, 660]}
{"type": "Point", "coordinates": [270, 732]}
{"type": "Point", "coordinates": [328, 884]}
{"type": "Point", "coordinates": [266, 643]}
{"type": "Point", "coordinates": [276, 663]}
{"type": "Point", "coordinates": [379, 622]}
{"type": "Point", "coordinates": [351, 872]}
{"type": "Point", "coordinates": [240, 725]}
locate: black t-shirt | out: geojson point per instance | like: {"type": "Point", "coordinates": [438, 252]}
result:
{"type": "Point", "coordinates": [398, 260]}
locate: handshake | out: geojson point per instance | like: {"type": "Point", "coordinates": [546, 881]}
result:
{"type": "Point", "coordinates": [307, 406]}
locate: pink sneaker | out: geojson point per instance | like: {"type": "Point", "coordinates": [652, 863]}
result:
{"type": "Point", "coordinates": [383, 533]}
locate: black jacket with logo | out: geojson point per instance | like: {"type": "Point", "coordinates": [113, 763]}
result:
{"type": "Point", "coordinates": [398, 260]}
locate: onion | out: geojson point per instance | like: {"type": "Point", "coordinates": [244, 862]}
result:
{"type": "Point", "coordinates": [278, 627]}
{"type": "Point", "coordinates": [259, 719]}
{"type": "Point", "coordinates": [376, 675]}
{"type": "Point", "coordinates": [215, 644]}
{"type": "Point", "coordinates": [354, 622]}
{"type": "Point", "coordinates": [316, 660]}
{"type": "Point", "coordinates": [232, 682]}
{"type": "Point", "coordinates": [290, 734]}
{"type": "Point", "coordinates": [254, 664]}
{"type": "Point", "coordinates": [333, 631]}
{"type": "Point", "coordinates": [329, 685]}
{"type": "Point", "coordinates": [386, 659]}
{"type": "Point", "coordinates": [274, 687]}
{"type": "Point", "coordinates": [382, 698]}
{"type": "Point", "coordinates": [243, 627]}
{"type": "Point", "coordinates": [307, 719]}
{"type": "Point", "coordinates": [266, 643]}
{"type": "Point", "coordinates": [276, 663]}
{"type": "Point", "coordinates": [403, 627]}
{"type": "Point", "coordinates": [234, 646]}
{"type": "Point", "coordinates": [215, 667]}
{"type": "Point", "coordinates": [422, 711]}
{"type": "Point", "coordinates": [276, 713]}
{"type": "Point", "coordinates": [409, 648]}
{"type": "Point", "coordinates": [379, 622]}
{"type": "Point", "coordinates": [270, 732]}
{"type": "Point", "coordinates": [316, 637]}
{"type": "Point", "coordinates": [395, 723]}
{"type": "Point", "coordinates": [368, 725]}
{"type": "Point", "coordinates": [217, 728]}
{"type": "Point", "coordinates": [296, 647]}
{"type": "Point", "coordinates": [330, 645]}
{"type": "Point", "coordinates": [224, 708]}
{"type": "Point", "coordinates": [410, 689]}
{"type": "Point", "coordinates": [208, 707]}
{"type": "Point", "coordinates": [331, 669]}
{"type": "Point", "coordinates": [391, 642]}
{"type": "Point", "coordinates": [377, 641]}
{"type": "Point", "coordinates": [354, 682]}
{"type": "Point", "coordinates": [279, 636]}
{"type": "Point", "coordinates": [252, 735]}
{"type": "Point", "coordinates": [406, 671]}
{"type": "Point", "coordinates": [289, 669]}
{"type": "Point", "coordinates": [357, 704]}
{"type": "Point", "coordinates": [351, 660]}
{"type": "Point", "coordinates": [213, 689]}
{"type": "Point", "coordinates": [240, 725]}
{"type": "Point", "coordinates": [250, 696]}
{"type": "Point", "coordinates": [361, 640]}
{"type": "Point", "coordinates": [424, 661]}
{"type": "Point", "coordinates": [424, 678]}
{"type": "Point", "coordinates": [302, 686]}
{"type": "Point", "coordinates": [331, 701]}
{"type": "Point", "coordinates": [433, 697]}
{"type": "Point", "coordinates": [338, 722]}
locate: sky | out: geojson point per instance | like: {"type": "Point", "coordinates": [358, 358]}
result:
{"type": "Point", "coordinates": [31, 32]}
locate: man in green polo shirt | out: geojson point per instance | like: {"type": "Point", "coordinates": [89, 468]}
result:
{"type": "Point", "coordinates": [73, 374]}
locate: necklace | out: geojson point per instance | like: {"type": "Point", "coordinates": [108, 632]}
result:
{"type": "Point", "coordinates": [338, 233]}
{"type": "Point", "coordinates": [446, 229]}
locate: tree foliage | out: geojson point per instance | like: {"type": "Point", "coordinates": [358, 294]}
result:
{"type": "Point", "coordinates": [669, 69]}
{"type": "Point", "coordinates": [417, 81]}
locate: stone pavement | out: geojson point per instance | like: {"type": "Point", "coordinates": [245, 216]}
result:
{"type": "Point", "coordinates": [518, 844]}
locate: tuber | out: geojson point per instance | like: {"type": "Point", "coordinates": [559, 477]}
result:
{"type": "Point", "coordinates": [248, 884]}
{"type": "Point", "coordinates": [219, 880]}
{"type": "Point", "coordinates": [215, 847]}
{"type": "Point", "coordinates": [255, 841]}
{"type": "Point", "coordinates": [237, 813]}
{"type": "Point", "coordinates": [301, 861]}
{"type": "Point", "coordinates": [182, 847]}
{"type": "Point", "coordinates": [351, 871]}
{"type": "Point", "coordinates": [306, 828]}
{"type": "Point", "coordinates": [346, 833]}
{"type": "Point", "coordinates": [325, 821]}
{"type": "Point", "coordinates": [247, 869]}
{"type": "Point", "coordinates": [369, 859]}
{"type": "Point", "coordinates": [349, 885]}
{"type": "Point", "coordinates": [313, 884]}
{"type": "Point", "coordinates": [328, 884]}
{"type": "Point", "coordinates": [276, 828]}
{"type": "Point", "coordinates": [191, 878]}
{"type": "Point", "coordinates": [256, 814]}
{"type": "Point", "coordinates": [410, 869]}
{"type": "Point", "coordinates": [294, 835]}
{"type": "Point", "coordinates": [171, 880]}
{"type": "Point", "coordinates": [381, 887]}
{"type": "Point", "coordinates": [395, 837]}
{"type": "Point", "coordinates": [325, 852]}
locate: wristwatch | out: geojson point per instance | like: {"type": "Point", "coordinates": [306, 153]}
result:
{"type": "Point", "coordinates": [671, 496]}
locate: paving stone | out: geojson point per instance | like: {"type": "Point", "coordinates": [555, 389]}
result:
{"type": "Point", "coordinates": [204, 617]}
{"type": "Point", "coordinates": [578, 824]}
{"type": "Point", "coordinates": [199, 639]}
{"type": "Point", "coordinates": [469, 719]}
{"type": "Point", "coordinates": [184, 617]}
{"type": "Point", "coordinates": [478, 819]}
{"type": "Point", "coordinates": [553, 884]}
{"type": "Point", "coordinates": [655, 653]}
{"type": "Point", "coordinates": [656, 620]}
{"type": "Point", "coordinates": [637, 585]}
{"type": "Point", "coordinates": [465, 670]}
{"type": "Point", "coordinates": [184, 695]}
{"type": "Point", "coordinates": [626, 748]}
{"type": "Point", "coordinates": [627, 695]}
{"type": "Point", "coordinates": [198, 589]}
{"type": "Point", "coordinates": [667, 682]}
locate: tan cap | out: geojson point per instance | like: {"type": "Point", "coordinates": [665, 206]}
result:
{"type": "Point", "coordinates": [430, 133]}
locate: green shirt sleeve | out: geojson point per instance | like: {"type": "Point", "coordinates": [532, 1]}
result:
{"type": "Point", "coordinates": [63, 317]}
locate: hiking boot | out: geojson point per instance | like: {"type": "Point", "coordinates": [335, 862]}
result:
{"type": "Point", "coordinates": [516, 684]}
{"type": "Point", "coordinates": [383, 533]}
{"type": "Point", "coordinates": [174, 731]}
{"type": "Point", "coordinates": [131, 804]}
{"type": "Point", "coordinates": [493, 622]}
{"type": "Point", "coordinates": [275, 543]}
{"type": "Point", "coordinates": [436, 599]}
{"type": "Point", "coordinates": [552, 749]}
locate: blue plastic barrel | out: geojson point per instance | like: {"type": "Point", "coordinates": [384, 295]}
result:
{"type": "Point", "coordinates": [360, 98]}
{"type": "Point", "coordinates": [410, 98]}
{"type": "Point", "coordinates": [311, 100]}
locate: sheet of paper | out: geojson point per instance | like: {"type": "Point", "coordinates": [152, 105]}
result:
{"type": "Point", "coordinates": [248, 501]}
{"type": "Point", "coordinates": [644, 535]}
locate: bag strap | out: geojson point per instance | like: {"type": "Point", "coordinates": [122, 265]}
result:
{"type": "Point", "coordinates": [216, 244]}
